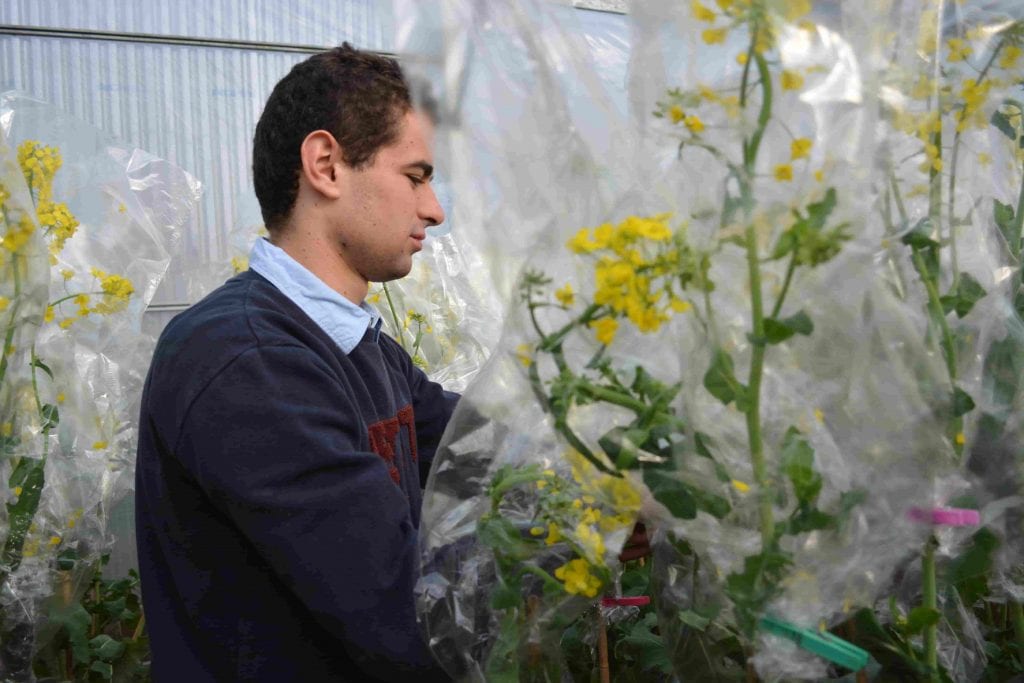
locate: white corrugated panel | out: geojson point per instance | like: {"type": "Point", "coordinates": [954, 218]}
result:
{"type": "Point", "coordinates": [195, 106]}
{"type": "Point", "coordinates": [304, 22]}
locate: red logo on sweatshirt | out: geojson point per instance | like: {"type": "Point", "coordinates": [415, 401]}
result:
{"type": "Point", "coordinates": [384, 435]}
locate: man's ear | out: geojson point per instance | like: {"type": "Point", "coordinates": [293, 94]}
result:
{"type": "Point", "coordinates": [321, 156]}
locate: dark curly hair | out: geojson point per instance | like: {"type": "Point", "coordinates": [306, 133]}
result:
{"type": "Point", "coordinates": [359, 97]}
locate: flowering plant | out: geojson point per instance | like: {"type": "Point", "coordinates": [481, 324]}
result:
{"type": "Point", "coordinates": [81, 251]}
{"type": "Point", "coordinates": [770, 335]}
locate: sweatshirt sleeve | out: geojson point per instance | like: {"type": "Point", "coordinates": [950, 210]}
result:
{"type": "Point", "coordinates": [433, 408]}
{"type": "Point", "coordinates": [273, 439]}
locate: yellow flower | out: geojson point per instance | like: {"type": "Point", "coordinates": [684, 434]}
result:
{"type": "Point", "coordinates": [240, 264]}
{"type": "Point", "coordinates": [959, 50]}
{"type": "Point", "coordinates": [537, 531]}
{"type": "Point", "coordinates": [711, 36]}
{"type": "Point", "coordinates": [796, 9]}
{"type": "Point", "coordinates": [577, 578]}
{"type": "Point", "coordinates": [984, 158]}
{"type": "Point", "coordinates": [565, 295]}
{"type": "Point", "coordinates": [791, 80]}
{"type": "Point", "coordinates": [591, 542]}
{"type": "Point", "coordinates": [800, 148]}
{"type": "Point", "coordinates": [4, 303]}
{"type": "Point", "coordinates": [707, 93]}
{"type": "Point", "coordinates": [819, 175]}
{"type": "Point", "coordinates": [605, 329]}
{"type": "Point", "coordinates": [1009, 56]}
{"type": "Point", "coordinates": [116, 292]}
{"type": "Point", "coordinates": [17, 491]}
{"type": "Point", "coordinates": [554, 534]}
{"type": "Point", "coordinates": [54, 541]}
{"type": "Point", "coordinates": [694, 123]}
{"type": "Point", "coordinates": [740, 486]}
{"type": "Point", "coordinates": [524, 357]}
{"type": "Point", "coordinates": [66, 323]}
{"type": "Point", "coordinates": [742, 58]}
{"type": "Point", "coordinates": [676, 113]}
{"type": "Point", "coordinates": [678, 305]}
{"type": "Point", "coordinates": [702, 13]}
{"type": "Point", "coordinates": [960, 439]}
{"type": "Point", "coordinates": [48, 316]}
{"type": "Point", "coordinates": [99, 445]}
{"type": "Point", "coordinates": [61, 397]}
{"type": "Point", "coordinates": [67, 273]}
{"type": "Point", "coordinates": [818, 415]}
{"type": "Point", "coordinates": [783, 172]}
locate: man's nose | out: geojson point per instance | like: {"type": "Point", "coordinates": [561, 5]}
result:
{"type": "Point", "coordinates": [430, 208]}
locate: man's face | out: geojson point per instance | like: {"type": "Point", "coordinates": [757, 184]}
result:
{"type": "Point", "coordinates": [385, 207]}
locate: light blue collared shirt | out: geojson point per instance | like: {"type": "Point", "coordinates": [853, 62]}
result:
{"type": "Point", "coordinates": [342, 320]}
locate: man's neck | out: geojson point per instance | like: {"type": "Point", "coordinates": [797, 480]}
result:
{"type": "Point", "coordinates": [322, 259]}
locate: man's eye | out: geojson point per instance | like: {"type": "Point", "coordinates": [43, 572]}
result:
{"type": "Point", "coordinates": [416, 180]}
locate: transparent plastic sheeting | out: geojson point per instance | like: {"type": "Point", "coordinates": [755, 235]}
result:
{"type": "Point", "coordinates": [83, 252]}
{"type": "Point", "coordinates": [831, 247]}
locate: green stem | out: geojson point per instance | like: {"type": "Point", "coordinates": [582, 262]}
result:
{"type": "Point", "coordinates": [72, 296]}
{"type": "Point", "coordinates": [1017, 614]}
{"type": "Point", "coordinates": [930, 601]}
{"type": "Point", "coordinates": [753, 412]}
{"type": "Point", "coordinates": [22, 511]}
{"type": "Point", "coordinates": [785, 286]}
{"type": "Point", "coordinates": [394, 316]}
{"type": "Point", "coordinates": [751, 148]}
{"type": "Point", "coordinates": [1018, 223]}
{"type": "Point", "coordinates": [9, 334]}
{"type": "Point", "coordinates": [935, 304]}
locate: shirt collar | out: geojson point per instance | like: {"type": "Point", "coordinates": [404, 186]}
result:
{"type": "Point", "coordinates": [342, 320]}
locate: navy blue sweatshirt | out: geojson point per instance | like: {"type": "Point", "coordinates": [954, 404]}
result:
{"type": "Point", "coordinates": [278, 490]}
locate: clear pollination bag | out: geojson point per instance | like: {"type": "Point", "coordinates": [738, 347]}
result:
{"type": "Point", "coordinates": [87, 233]}
{"type": "Point", "coordinates": [764, 301]}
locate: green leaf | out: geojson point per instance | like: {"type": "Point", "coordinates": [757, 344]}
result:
{"type": "Point", "coordinates": [920, 618]}
{"type": "Point", "coordinates": [798, 466]}
{"type": "Point", "coordinates": [653, 655]}
{"type": "Point", "coordinates": [50, 416]}
{"type": "Point", "coordinates": [75, 621]}
{"type": "Point", "coordinates": [962, 402]}
{"type": "Point", "coordinates": [968, 293]}
{"type": "Point", "coordinates": [786, 244]}
{"type": "Point", "coordinates": [621, 445]}
{"type": "Point", "coordinates": [103, 669]}
{"type": "Point", "coordinates": [968, 572]}
{"type": "Point", "coordinates": [502, 535]}
{"type": "Point", "coordinates": [760, 580]}
{"type": "Point", "coordinates": [1003, 215]}
{"type": "Point", "coordinates": [700, 444]}
{"type": "Point", "coordinates": [671, 493]}
{"type": "Point", "coordinates": [721, 382]}
{"type": "Point", "coordinates": [1002, 122]}
{"type": "Point", "coordinates": [776, 331]}
{"type": "Point", "coordinates": [806, 518]}
{"type": "Point", "coordinates": [694, 619]}
{"type": "Point", "coordinates": [106, 648]}
{"type": "Point", "coordinates": [42, 366]}
{"type": "Point", "coordinates": [505, 596]}
{"type": "Point", "coordinates": [920, 236]}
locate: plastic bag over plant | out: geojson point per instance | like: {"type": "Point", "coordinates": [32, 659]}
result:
{"type": "Point", "coordinates": [735, 302]}
{"type": "Point", "coordinates": [89, 226]}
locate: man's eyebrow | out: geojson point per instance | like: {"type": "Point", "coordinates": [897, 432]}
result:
{"type": "Point", "coordinates": [428, 170]}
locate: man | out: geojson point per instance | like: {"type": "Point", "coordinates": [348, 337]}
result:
{"type": "Point", "coordinates": [285, 440]}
